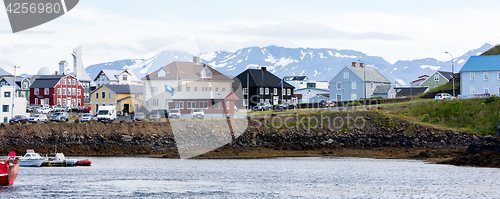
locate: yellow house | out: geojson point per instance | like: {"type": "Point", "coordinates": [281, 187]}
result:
{"type": "Point", "coordinates": [126, 98]}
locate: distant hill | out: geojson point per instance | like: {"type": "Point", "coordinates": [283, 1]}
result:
{"type": "Point", "coordinates": [492, 51]}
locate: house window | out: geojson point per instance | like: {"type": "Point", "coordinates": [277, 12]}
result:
{"type": "Point", "coordinates": [339, 97]}
{"type": "Point", "coordinates": [6, 94]}
{"type": "Point", "coordinates": [245, 91]}
{"type": "Point", "coordinates": [96, 95]}
{"type": "Point", "coordinates": [103, 95]}
{"type": "Point", "coordinates": [191, 105]}
{"type": "Point", "coordinates": [261, 91]}
{"type": "Point", "coordinates": [339, 85]}
{"type": "Point", "coordinates": [79, 102]}
{"type": "Point", "coordinates": [79, 92]}
{"type": "Point", "coordinates": [499, 90]}
{"type": "Point", "coordinates": [74, 83]}
{"type": "Point", "coordinates": [486, 75]}
{"type": "Point", "coordinates": [154, 89]}
{"type": "Point", "coordinates": [188, 88]}
{"type": "Point", "coordinates": [124, 77]}
{"type": "Point", "coordinates": [59, 101]}
{"type": "Point", "coordinates": [204, 105]}
{"type": "Point", "coordinates": [245, 101]}
{"type": "Point", "coordinates": [498, 75]}
{"type": "Point", "coordinates": [137, 96]}
{"type": "Point", "coordinates": [36, 101]}
{"type": "Point", "coordinates": [195, 88]}
{"type": "Point", "coordinates": [472, 76]}
{"type": "Point", "coordinates": [267, 91]}
{"type": "Point", "coordinates": [436, 78]}
{"type": "Point", "coordinates": [64, 81]}
{"type": "Point", "coordinates": [472, 90]}
{"type": "Point", "coordinates": [58, 91]}
{"type": "Point", "coordinates": [47, 101]}
{"type": "Point", "coordinates": [36, 91]}
{"type": "Point", "coordinates": [354, 96]}
{"type": "Point", "coordinates": [154, 102]}
{"type": "Point", "coordinates": [25, 85]}
{"type": "Point", "coordinates": [261, 100]}
{"type": "Point", "coordinates": [353, 85]}
{"type": "Point", "coordinates": [346, 75]}
{"type": "Point", "coordinates": [217, 105]}
{"type": "Point", "coordinates": [23, 94]}
{"type": "Point", "coordinates": [179, 105]}
{"type": "Point", "coordinates": [5, 108]}
{"type": "Point", "coordinates": [371, 85]}
{"type": "Point", "coordinates": [74, 91]}
{"type": "Point", "coordinates": [267, 100]}
{"type": "Point", "coordinates": [216, 88]}
{"type": "Point", "coordinates": [110, 95]}
{"type": "Point", "coordinates": [64, 91]}
{"type": "Point", "coordinates": [289, 91]}
{"type": "Point", "coordinates": [223, 89]}
{"type": "Point", "coordinates": [275, 91]}
{"type": "Point", "coordinates": [486, 89]}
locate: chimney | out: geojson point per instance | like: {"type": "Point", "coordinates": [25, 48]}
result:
{"type": "Point", "coordinates": [354, 63]}
{"type": "Point", "coordinates": [263, 68]}
{"type": "Point", "coordinates": [362, 65]}
{"type": "Point", "coordinates": [196, 59]}
{"type": "Point", "coordinates": [57, 72]}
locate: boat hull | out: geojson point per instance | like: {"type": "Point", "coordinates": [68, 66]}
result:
{"type": "Point", "coordinates": [83, 163]}
{"type": "Point", "coordinates": [8, 172]}
{"type": "Point", "coordinates": [30, 163]}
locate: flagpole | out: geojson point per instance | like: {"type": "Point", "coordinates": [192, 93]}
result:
{"type": "Point", "coordinates": [248, 89]}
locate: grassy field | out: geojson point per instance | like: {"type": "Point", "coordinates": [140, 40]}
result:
{"type": "Point", "coordinates": [470, 115]}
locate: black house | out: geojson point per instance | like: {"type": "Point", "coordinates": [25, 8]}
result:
{"type": "Point", "coordinates": [253, 86]}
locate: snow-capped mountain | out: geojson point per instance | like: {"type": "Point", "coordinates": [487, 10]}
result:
{"type": "Point", "coordinates": [318, 64]}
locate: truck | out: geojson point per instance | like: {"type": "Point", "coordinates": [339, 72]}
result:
{"type": "Point", "coordinates": [106, 113]}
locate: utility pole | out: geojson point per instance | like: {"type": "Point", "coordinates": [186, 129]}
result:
{"type": "Point", "coordinates": [13, 92]}
{"type": "Point", "coordinates": [452, 72]}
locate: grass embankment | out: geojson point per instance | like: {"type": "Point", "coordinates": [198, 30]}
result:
{"type": "Point", "coordinates": [470, 115]}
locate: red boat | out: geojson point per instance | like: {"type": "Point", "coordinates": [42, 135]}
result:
{"type": "Point", "coordinates": [83, 163]}
{"type": "Point", "coordinates": [8, 171]}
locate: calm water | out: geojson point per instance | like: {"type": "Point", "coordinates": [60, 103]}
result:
{"type": "Point", "coordinates": [264, 178]}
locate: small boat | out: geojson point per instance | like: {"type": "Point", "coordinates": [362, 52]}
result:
{"type": "Point", "coordinates": [31, 159]}
{"type": "Point", "coordinates": [9, 167]}
{"type": "Point", "coordinates": [59, 160]}
{"type": "Point", "coordinates": [85, 162]}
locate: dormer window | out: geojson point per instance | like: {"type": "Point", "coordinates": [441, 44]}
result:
{"type": "Point", "coordinates": [163, 73]}
{"type": "Point", "coordinates": [206, 73]}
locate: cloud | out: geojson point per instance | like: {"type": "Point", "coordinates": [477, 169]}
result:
{"type": "Point", "coordinates": [302, 30]}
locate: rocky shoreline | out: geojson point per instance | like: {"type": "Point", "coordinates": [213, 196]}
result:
{"type": "Point", "coordinates": [379, 136]}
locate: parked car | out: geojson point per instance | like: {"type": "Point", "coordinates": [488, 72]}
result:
{"type": "Point", "coordinates": [326, 103]}
{"type": "Point", "coordinates": [139, 116]}
{"type": "Point", "coordinates": [38, 118]}
{"type": "Point", "coordinates": [174, 113]}
{"type": "Point", "coordinates": [87, 109]}
{"type": "Point", "coordinates": [59, 116]}
{"type": "Point", "coordinates": [444, 96]}
{"type": "Point", "coordinates": [197, 113]}
{"type": "Point", "coordinates": [288, 105]}
{"type": "Point", "coordinates": [18, 119]}
{"type": "Point", "coordinates": [86, 117]}
{"type": "Point", "coordinates": [263, 106]}
{"type": "Point", "coordinates": [157, 114]}
{"type": "Point", "coordinates": [65, 108]}
{"type": "Point", "coordinates": [29, 109]}
{"type": "Point", "coordinates": [45, 110]}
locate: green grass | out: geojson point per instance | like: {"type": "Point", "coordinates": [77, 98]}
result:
{"type": "Point", "coordinates": [493, 51]}
{"type": "Point", "coordinates": [471, 115]}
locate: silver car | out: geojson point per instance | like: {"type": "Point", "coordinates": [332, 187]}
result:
{"type": "Point", "coordinates": [59, 116]}
{"type": "Point", "coordinates": [174, 113]}
{"type": "Point", "coordinates": [38, 118]}
{"type": "Point", "coordinates": [444, 96]}
{"type": "Point", "coordinates": [197, 113]}
{"type": "Point", "coordinates": [86, 117]}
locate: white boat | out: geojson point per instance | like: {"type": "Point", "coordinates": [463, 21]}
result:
{"type": "Point", "coordinates": [31, 159]}
{"type": "Point", "coordinates": [59, 160]}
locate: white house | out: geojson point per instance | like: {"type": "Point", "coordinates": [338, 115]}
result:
{"type": "Point", "coordinates": [300, 82]}
{"type": "Point", "coordinates": [354, 82]}
{"type": "Point", "coordinates": [6, 102]}
{"type": "Point", "coordinates": [480, 75]}
{"type": "Point", "coordinates": [308, 93]}
{"type": "Point", "coordinates": [116, 77]}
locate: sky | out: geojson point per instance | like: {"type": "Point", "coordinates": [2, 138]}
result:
{"type": "Point", "coordinates": [111, 30]}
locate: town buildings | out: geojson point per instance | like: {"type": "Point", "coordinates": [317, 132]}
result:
{"type": "Point", "coordinates": [63, 90]}
{"type": "Point", "coordinates": [480, 75]}
{"type": "Point", "coordinates": [126, 98]}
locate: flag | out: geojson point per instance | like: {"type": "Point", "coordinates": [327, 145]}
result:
{"type": "Point", "coordinates": [281, 82]}
{"type": "Point", "coordinates": [169, 89]}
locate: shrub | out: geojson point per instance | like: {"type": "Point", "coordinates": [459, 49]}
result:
{"type": "Point", "coordinates": [488, 100]}
{"type": "Point", "coordinates": [426, 118]}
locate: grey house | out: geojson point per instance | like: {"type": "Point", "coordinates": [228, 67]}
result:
{"type": "Point", "coordinates": [353, 80]}
{"type": "Point", "coordinates": [385, 91]}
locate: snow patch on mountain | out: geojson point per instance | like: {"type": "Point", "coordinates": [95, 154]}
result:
{"type": "Point", "coordinates": [344, 56]}
{"type": "Point", "coordinates": [431, 67]}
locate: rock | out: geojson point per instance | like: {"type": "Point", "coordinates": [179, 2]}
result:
{"type": "Point", "coordinates": [329, 141]}
{"type": "Point", "coordinates": [127, 138]}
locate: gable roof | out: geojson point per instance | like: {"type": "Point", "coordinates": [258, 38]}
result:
{"type": "Point", "coordinates": [382, 89]}
{"type": "Point", "coordinates": [372, 74]}
{"type": "Point", "coordinates": [121, 88]}
{"type": "Point", "coordinates": [407, 91]}
{"type": "Point", "coordinates": [113, 75]}
{"type": "Point", "coordinates": [178, 70]}
{"type": "Point", "coordinates": [10, 81]}
{"type": "Point", "coordinates": [295, 78]}
{"type": "Point", "coordinates": [47, 81]}
{"type": "Point", "coordinates": [447, 75]}
{"type": "Point", "coordinates": [482, 63]}
{"type": "Point", "coordinates": [261, 78]}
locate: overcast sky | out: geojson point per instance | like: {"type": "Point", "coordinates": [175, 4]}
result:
{"type": "Point", "coordinates": [110, 30]}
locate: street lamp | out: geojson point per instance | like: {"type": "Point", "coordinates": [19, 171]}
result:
{"type": "Point", "coordinates": [452, 73]}
{"type": "Point", "coordinates": [13, 92]}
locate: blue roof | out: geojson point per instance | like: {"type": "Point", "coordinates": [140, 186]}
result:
{"type": "Point", "coordinates": [482, 63]}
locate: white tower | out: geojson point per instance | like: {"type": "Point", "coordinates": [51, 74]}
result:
{"type": "Point", "coordinates": [78, 69]}
{"type": "Point", "coordinates": [63, 67]}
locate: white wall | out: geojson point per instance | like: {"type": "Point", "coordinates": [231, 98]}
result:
{"type": "Point", "coordinates": [19, 104]}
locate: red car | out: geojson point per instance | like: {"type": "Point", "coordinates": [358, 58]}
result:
{"type": "Point", "coordinates": [87, 109]}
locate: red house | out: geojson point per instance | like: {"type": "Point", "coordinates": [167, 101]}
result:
{"type": "Point", "coordinates": [63, 90]}
{"type": "Point", "coordinates": [209, 101]}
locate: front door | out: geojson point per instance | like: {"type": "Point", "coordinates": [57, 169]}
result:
{"type": "Point", "coordinates": [275, 101]}
{"type": "Point", "coordinates": [126, 108]}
